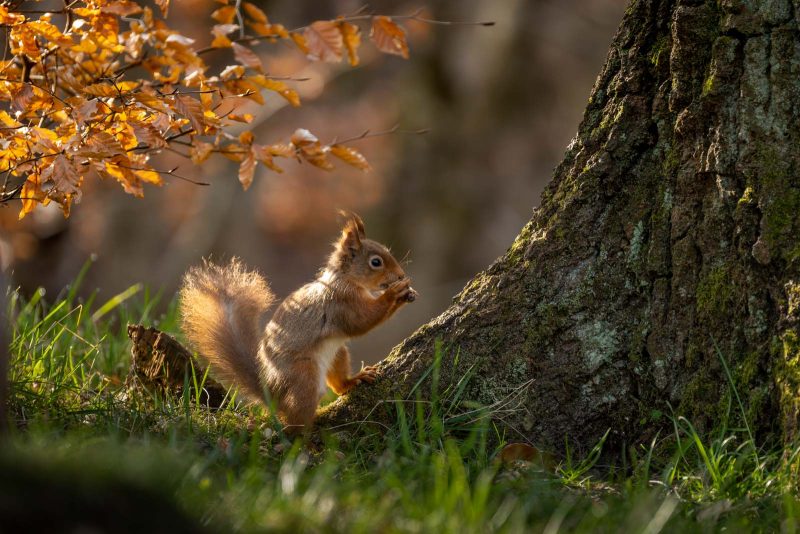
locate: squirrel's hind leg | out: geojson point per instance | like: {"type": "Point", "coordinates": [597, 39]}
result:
{"type": "Point", "coordinates": [299, 403]}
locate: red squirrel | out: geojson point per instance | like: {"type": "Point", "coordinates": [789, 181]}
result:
{"type": "Point", "coordinates": [303, 346]}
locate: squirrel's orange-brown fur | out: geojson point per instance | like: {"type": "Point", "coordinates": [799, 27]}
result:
{"type": "Point", "coordinates": [302, 347]}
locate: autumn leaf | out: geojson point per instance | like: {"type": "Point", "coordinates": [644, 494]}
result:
{"type": "Point", "coordinates": [220, 32]}
{"type": "Point", "coordinates": [117, 85]}
{"type": "Point", "coordinates": [102, 90]}
{"type": "Point", "coordinates": [310, 149]}
{"type": "Point", "coordinates": [8, 120]}
{"type": "Point", "coordinates": [163, 5]}
{"type": "Point", "coordinates": [264, 155]}
{"type": "Point", "coordinates": [200, 151]}
{"type": "Point", "coordinates": [351, 35]}
{"type": "Point", "coordinates": [299, 41]}
{"type": "Point", "coordinates": [63, 175]}
{"type": "Point", "coordinates": [23, 97]}
{"type": "Point", "coordinates": [279, 87]}
{"type": "Point", "coordinates": [148, 135]}
{"type": "Point", "coordinates": [31, 194]}
{"type": "Point", "coordinates": [192, 110]}
{"type": "Point", "coordinates": [351, 156]}
{"type": "Point", "coordinates": [247, 170]}
{"type": "Point", "coordinates": [247, 57]}
{"type": "Point", "coordinates": [224, 15]}
{"type": "Point", "coordinates": [389, 37]}
{"type": "Point", "coordinates": [324, 41]}
{"type": "Point", "coordinates": [123, 8]}
{"type": "Point", "coordinates": [255, 13]}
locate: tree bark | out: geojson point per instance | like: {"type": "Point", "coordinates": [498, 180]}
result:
{"type": "Point", "coordinates": [671, 228]}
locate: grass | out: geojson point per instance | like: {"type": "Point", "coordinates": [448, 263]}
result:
{"type": "Point", "coordinates": [85, 442]}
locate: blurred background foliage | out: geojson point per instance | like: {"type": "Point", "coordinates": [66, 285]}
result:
{"type": "Point", "coordinates": [501, 104]}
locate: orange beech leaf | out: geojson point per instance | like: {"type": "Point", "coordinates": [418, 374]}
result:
{"type": "Point", "coordinates": [247, 57]}
{"type": "Point", "coordinates": [23, 97]}
{"type": "Point", "coordinates": [389, 37]}
{"type": "Point", "coordinates": [246, 118]}
{"type": "Point", "coordinates": [224, 15]}
{"type": "Point", "coordinates": [50, 32]}
{"type": "Point", "coordinates": [310, 149]}
{"type": "Point", "coordinates": [282, 150]}
{"type": "Point", "coordinates": [246, 170]}
{"type": "Point", "coordinates": [163, 5]}
{"type": "Point", "coordinates": [100, 145]}
{"type": "Point", "coordinates": [270, 30]}
{"type": "Point", "coordinates": [193, 110]}
{"type": "Point", "coordinates": [220, 32]}
{"type": "Point", "coordinates": [62, 172]}
{"type": "Point", "coordinates": [8, 120]}
{"type": "Point", "coordinates": [234, 152]}
{"type": "Point", "coordinates": [151, 101]}
{"type": "Point", "coordinates": [351, 34]}
{"type": "Point", "coordinates": [8, 18]}
{"type": "Point", "coordinates": [200, 151]}
{"type": "Point", "coordinates": [123, 8]}
{"type": "Point", "coordinates": [324, 41]}
{"type": "Point", "coordinates": [279, 87]}
{"type": "Point", "coordinates": [102, 90]}
{"type": "Point", "coordinates": [31, 194]}
{"type": "Point", "coordinates": [148, 135]}
{"type": "Point", "coordinates": [246, 137]}
{"type": "Point", "coordinates": [351, 156]}
{"type": "Point", "coordinates": [149, 175]}
{"type": "Point", "coordinates": [265, 156]}
{"type": "Point", "coordinates": [255, 13]}
{"type": "Point", "coordinates": [299, 41]}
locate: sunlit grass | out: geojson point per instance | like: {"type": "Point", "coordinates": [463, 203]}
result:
{"type": "Point", "coordinates": [434, 470]}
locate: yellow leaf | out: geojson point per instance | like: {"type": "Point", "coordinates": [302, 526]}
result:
{"type": "Point", "coordinates": [270, 30]}
{"type": "Point", "coordinates": [246, 118]}
{"type": "Point", "coordinates": [224, 15]}
{"type": "Point", "coordinates": [299, 41]}
{"type": "Point", "coordinates": [149, 175]}
{"type": "Point", "coordinates": [7, 18]}
{"type": "Point", "coordinates": [122, 8]}
{"type": "Point", "coordinates": [246, 137]}
{"type": "Point", "coordinates": [8, 120]}
{"type": "Point", "coordinates": [389, 37]}
{"type": "Point", "coordinates": [102, 90]}
{"type": "Point", "coordinates": [255, 13]}
{"type": "Point", "coordinates": [351, 156]}
{"type": "Point", "coordinates": [351, 35]}
{"type": "Point", "coordinates": [31, 194]}
{"type": "Point", "coordinates": [163, 5]}
{"type": "Point", "coordinates": [279, 87]}
{"type": "Point", "coordinates": [220, 41]}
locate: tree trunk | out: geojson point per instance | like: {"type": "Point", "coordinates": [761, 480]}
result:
{"type": "Point", "coordinates": [671, 227]}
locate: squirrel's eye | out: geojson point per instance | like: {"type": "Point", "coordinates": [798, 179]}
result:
{"type": "Point", "coordinates": [375, 262]}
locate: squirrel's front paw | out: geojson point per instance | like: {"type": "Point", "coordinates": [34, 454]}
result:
{"type": "Point", "coordinates": [402, 291]}
{"type": "Point", "coordinates": [368, 374]}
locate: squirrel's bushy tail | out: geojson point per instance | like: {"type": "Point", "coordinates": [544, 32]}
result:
{"type": "Point", "coordinates": [222, 310]}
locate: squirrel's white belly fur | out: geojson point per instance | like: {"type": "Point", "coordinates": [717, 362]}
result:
{"type": "Point", "coordinates": [326, 352]}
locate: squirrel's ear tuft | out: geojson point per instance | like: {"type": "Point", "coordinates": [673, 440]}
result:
{"type": "Point", "coordinates": [354, 221]}
{"type": "Point", "coordinates": [350, 240]}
